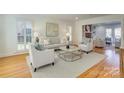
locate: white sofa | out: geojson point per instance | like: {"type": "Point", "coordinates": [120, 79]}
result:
{"type": "Point", "coordinates": [99, 43]}
{"type": "Point", "coordinates": [52, 43]}
{"type": "Point", "coordinates": [54, 46]}
{"type": "Point", "coordinates": [40, 58]}
{"type": "Point", "coordinates": [86, 46]}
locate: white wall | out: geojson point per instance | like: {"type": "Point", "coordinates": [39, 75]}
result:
{"type": "Point", "coordinates": [8, 37]}
{"type": "Point", "coordinates": [122, 37]}
{"type": "Point", "coordinates": [2, 41]}
{"type": "Point", "coordinates": [103, 19]}
{"type": "Point", "coordinates": [8, 41]}
{"type": "Point", "coordinates": [100, 29]}
{"type": "Point", "coordinates": [40, 26]}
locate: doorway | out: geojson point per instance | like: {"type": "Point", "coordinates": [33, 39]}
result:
{"type": "Point", "coordinates": [108, 39]}
{"type": "Point", "coordinates": [113, 37]}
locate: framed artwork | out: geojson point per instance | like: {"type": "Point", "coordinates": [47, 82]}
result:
{"type": "Point", "coordinates": [52, 30]}
{"type": "Point", "coordinates": [87, 31]}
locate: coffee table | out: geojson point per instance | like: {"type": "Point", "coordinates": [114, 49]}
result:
{"type": "Point", "coordinates": [72, 54]}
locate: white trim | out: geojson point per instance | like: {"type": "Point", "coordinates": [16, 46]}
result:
{"type": "Point", "coordinates": [12, 54]}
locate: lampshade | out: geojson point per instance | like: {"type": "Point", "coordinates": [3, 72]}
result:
{"type": "Point", "coordinates": [36, 34]}
{"type": "Point", "coordinates": [68, 34]}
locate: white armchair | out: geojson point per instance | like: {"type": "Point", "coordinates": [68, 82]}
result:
{"type": "Point", "coordinates": [40, 58]}
{"type": "Point", "coordinates": [87, 46]}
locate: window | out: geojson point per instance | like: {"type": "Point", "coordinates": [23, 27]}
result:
{"type": "Point", "coordinates": [24, 35]}
{"type": "Point", "coordinates": [108, 33]}
{"type": "Point", "coordinates": [117, 33]}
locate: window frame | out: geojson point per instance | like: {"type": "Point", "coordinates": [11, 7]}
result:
{"type": "Point", "coordinates": [25, 44]}
{"type": "Point", "coordinates": [107, 34]}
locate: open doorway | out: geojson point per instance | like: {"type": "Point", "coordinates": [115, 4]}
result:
{"type": "Point", "coordinates": [107, 35]}
{"type": "Point", "coordinates": [107, 39]}
{"type": "Point", "coordinates": [113, 36]}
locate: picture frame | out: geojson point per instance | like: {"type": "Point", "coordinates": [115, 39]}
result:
{"type": "Point", "coordinates": [52, 30]}
{"type": "Point", "coordinates": [87, 31]}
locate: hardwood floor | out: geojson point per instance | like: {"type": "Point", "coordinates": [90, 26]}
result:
{"type": "Point", "coordinates": [16, 66]}
{"type": "Point", "coordinates": [107, 68]}
{"type": "Point", "coordinates": [122, 60]}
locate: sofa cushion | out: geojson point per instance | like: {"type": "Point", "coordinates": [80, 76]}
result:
{"type": "Point", "coordinates": [54, 40]}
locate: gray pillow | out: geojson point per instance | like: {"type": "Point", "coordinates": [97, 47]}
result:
{"type": "Point", "coordinates": [39, 46]}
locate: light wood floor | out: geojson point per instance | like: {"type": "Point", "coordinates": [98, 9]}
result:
{"type": "Point", "coordinates": [16, 66]}
{"type": "Point", "coordinates": [107, 68]}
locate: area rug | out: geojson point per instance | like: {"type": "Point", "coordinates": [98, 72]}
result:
{"type": "Point", "coordinates": [63, 69]}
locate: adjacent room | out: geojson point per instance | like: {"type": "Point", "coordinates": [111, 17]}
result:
{"type": "Point", "coordinates": [107, 35]}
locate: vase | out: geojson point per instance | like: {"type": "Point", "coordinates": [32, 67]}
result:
{"type": "Point", "coordinates": [67, 46]}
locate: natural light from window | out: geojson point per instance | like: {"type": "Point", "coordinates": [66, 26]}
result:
{"type": "Point", "coordinates": [24, 35]}
{"type": "Point", "coordinates": [108, 33]}
{"type": "Point", "coordinates": [117, 33]}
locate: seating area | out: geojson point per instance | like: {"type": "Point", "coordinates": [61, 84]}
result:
{"type": "Point", "coordinates": [53, 46]}
{"type": "Point", "coordinates": [35, 57]}
{"type": "Point", "coordinates": [48, 52]}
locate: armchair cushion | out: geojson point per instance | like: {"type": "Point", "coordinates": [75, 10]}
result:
{"type": "Point", "coordinates": [87, 46]}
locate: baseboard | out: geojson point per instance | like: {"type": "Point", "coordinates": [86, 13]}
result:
{"type": "Point", "coordinates": [12, 54]}
{"type": "Point", "coordinates": [99, 47]}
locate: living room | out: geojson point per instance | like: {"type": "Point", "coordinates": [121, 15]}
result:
{"type": "Point", "coordinates": [53, 46]}
{"type": "Point", "coordinates": [62, 43]}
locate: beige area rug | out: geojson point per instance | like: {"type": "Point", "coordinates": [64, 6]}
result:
{"type": "Point", "coordinates": [63, 69]}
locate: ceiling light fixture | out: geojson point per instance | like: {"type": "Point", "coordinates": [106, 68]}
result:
{"type": "Point", "coordinates": [76, 18]}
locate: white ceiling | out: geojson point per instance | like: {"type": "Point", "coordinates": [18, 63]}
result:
{"type": "Point", "coordinates": [71, 17]}
{"type": "Point", "coordinates": [110, 23]}
{"type": "Point", "coordinates": [65, 17]}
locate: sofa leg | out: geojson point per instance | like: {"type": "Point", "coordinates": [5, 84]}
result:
{"type": "Point", "coordinates": [87, 52]}
{"type": "Point", "coordinates": [53, 64]}
{"type": "Point", "coordinates": [35, 69]}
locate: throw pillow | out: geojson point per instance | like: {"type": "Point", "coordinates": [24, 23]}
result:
{"type": "Point", "coordinates": [39, 47]}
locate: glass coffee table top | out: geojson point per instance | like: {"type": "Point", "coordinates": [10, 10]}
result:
{"type": "Point", "coordinates": [70, 49]}
{"type": "Point", "coordinates": [71, 54]}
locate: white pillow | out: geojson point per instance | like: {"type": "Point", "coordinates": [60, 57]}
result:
{"type": "Point", "coordinates": [46, 42]}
